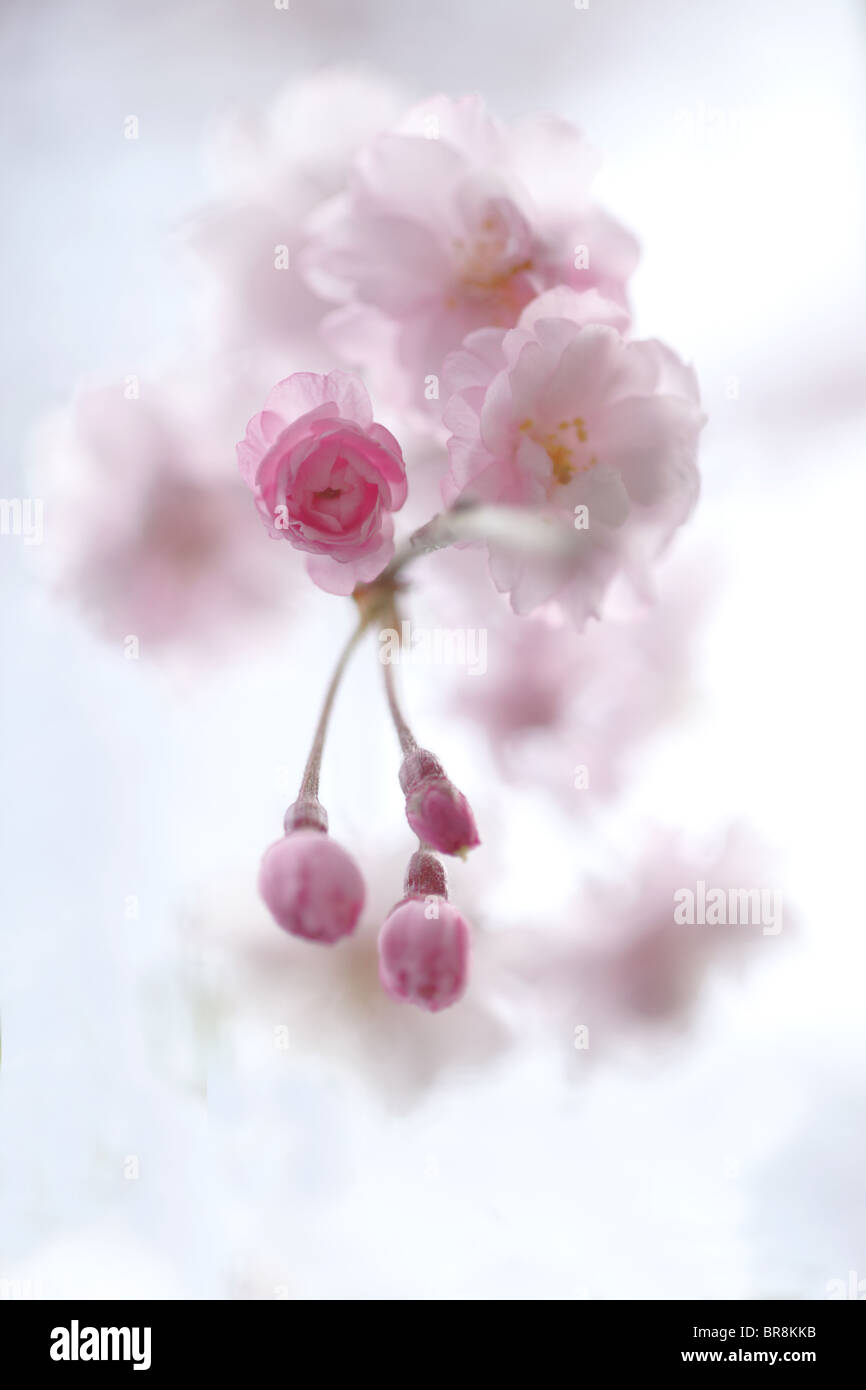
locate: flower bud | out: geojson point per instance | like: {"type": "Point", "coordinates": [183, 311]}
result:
{"type": "Point", "coordinates": [441, 816]}
{"type": "Point", "coordinates": [424, 953]}
{"type": "Point", "coordinates": [311, 886]}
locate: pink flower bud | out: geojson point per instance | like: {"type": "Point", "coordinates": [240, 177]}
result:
{"type": "Point", "coordinates": [424, 953]}
{"type": "Point", "coordinates": [441, 816]}
{"type": "Point", "coordinates": [311, 886]}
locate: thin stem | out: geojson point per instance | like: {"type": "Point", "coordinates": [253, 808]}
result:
{"type": "Point", "coordinates": [408, 742]}
{"type": "Point", "coordinates": [310, 780]}
{"type": "Point", "coordinates": [389, 617]}
{"type": "Point", "coordinates": [434, 535]}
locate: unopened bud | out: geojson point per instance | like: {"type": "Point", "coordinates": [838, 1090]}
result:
{"type": "Point", "coordinates": [424, 957]}
{"type": "Point", "coordinates": [441, 816]}
{"type": "Point", "coordinates": [311, 886]}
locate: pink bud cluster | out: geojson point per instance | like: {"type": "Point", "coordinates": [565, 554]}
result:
{"type": "Point", "coordinates": [314, 889]}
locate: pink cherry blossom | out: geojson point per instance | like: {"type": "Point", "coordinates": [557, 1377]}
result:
{"type": "Point", "coordinates": [424, 953]}
{"type": "Point", "coordinates": [325, 476]}
{"type": "Point", "coordinates": [568, 710]}
{"type": "Point", "coordinates": [452, 223]}
{"type": "Point", "coordinates": [632, 959]}
{"type": "Point", "coordinates": [311, 886]}
{"type": "Point", "coordinates": [150, 536]}
{"type": "Point", "coordinates": [563, 415]}
{"type": "Point", "coordinates": [273, 167]}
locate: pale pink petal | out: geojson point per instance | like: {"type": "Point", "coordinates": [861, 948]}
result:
{"type": "Point", "coordinates": [578, 306]}
{"type": "Point", "coordinates": [476, 363]}
{"type": "Point", "coordinates": [466, 124]}
{"type": "Point", "coordinates": [652, 441]}
{"type": "Point", "coordinates": [408, 177]}
{"type": "Point", "coordinates": [554, 162]}
{"type": "Point", "coordinates": [305, 391]}
{"type": "Point", "coordinates": [338, 577]}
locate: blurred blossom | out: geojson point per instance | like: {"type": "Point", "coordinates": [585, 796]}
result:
{"type": "Point", "coordinates": [628, 963]}
{"type": "Point", "coordinates": [452, 223]}
{"type": "Point", "coordinates": [273, 168]}
{"type": "Point", "coordinates": [149, 530]}
{"type": "Point", "coordinates": [568, 711]}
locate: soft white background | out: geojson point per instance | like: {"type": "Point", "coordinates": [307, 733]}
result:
{"type": "Point", "coordinates": [726, 1163]}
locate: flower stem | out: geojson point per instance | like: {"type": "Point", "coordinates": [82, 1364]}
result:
{"type": "Point", "coordinates": [408, 742]}
{"type": "Point", "coordinates": [435, 534]}
{"type": "Point", "coordinates": [523, 530]}
{"type": "Point", "coordinates": [310, 780]}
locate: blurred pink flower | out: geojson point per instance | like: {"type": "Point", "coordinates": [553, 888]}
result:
{"type": "Point", "coordinates": [325, 476]}
{"type": "Point", "coordinates": [629, 962]}
{"type": "Point", "coordinates": [568, 710]}
{"type": "Point", "coordinates": [148, 524]}
{"type": "Point", "coordinates": [563, 415]}
{"type": "Point", "coordinates": [452, 223]}
{"type": "Point", "coordinates": [272, 169]}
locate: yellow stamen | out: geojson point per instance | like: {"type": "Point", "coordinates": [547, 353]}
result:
{"type": "Point", "coordinates": [560, 456]}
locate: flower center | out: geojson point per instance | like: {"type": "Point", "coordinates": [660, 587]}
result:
{"type": "Point", "coordinates": [489, 265]}
{"type": "Point", "coordinates": [564, 447]}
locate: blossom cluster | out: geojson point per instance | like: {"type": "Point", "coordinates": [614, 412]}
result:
{"type": "Point", "coordinates": [458, 257]}
{"type": "Point", "coordinates": [431, 285]}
